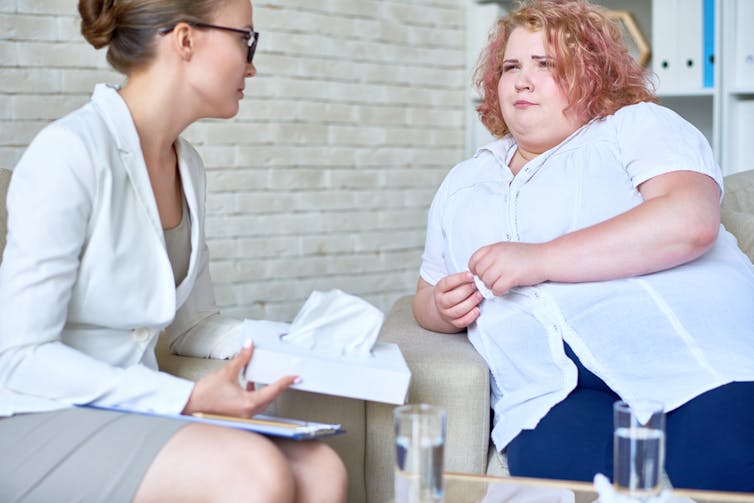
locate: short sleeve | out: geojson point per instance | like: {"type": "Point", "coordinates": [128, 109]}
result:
{"type": "Point", "coordinates": [654, 140]}
{"type": "Point", "coordinates": [433, 267]}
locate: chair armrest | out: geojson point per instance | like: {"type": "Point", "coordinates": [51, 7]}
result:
{"type": "Point", "coordinates": [183, 366]}
{"type": "Point", "coordinates": [446, 370]}
{"type": "Point", "coordinates": [737, 211]}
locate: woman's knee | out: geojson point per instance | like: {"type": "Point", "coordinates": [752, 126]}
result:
{"type": "Point", "coordinates": [709, 441]}
{"type": "Point", "coordinates": [207, 463]}
{"type": "Point", "coordinates": [319, 472]}
{"type": "Point", "coordinates": [573, 441]}
{"type": "Point", "coordinates": [329, 463]}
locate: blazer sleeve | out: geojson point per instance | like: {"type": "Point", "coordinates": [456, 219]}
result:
{"type": "Point", "coordinates": [50, 201]}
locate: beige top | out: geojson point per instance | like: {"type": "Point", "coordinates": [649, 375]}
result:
{"type": "Point", "coordinates": [178, 244]}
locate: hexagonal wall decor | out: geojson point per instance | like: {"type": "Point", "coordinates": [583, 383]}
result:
{"type": "Point", "coordinates": [632, 36]}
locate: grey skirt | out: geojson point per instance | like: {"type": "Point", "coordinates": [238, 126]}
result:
{"type": "Point", "coordinates": [78, 454]}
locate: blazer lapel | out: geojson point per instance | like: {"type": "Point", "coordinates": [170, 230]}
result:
{"type": "Point", "coordinates": [191, 193]}
{"type": "Point", "coordinates": [116, 115]}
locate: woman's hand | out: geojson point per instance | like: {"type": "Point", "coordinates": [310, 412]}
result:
{"type": "Point", "coordinates": [221, 393]}
{"type": "Point", "coordinates": [502, 266]}
{"type": "Point", "coordinates": [450, 305]}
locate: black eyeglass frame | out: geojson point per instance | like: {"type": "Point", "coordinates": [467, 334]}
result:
{"type": "Point", "coordinates": [253, 35]}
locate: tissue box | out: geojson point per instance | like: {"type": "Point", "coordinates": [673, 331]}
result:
{"type": "Point", "coordinates": [381, 376]}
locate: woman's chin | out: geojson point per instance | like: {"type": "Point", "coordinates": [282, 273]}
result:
{"type": "Point", "coordinates": [227, 113]}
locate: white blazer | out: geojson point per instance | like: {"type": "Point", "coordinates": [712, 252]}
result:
{"type": "Point", "coordinates": [86, 285]}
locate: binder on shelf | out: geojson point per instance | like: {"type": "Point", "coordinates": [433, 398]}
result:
{"type": "Point", "coordinates": [664, 45]}
{"type": "Point", "coordinates": [678, 45]}
{"type": "Point", "coordinates": [744, 45]}
{"type": "Point", "coordinates": [690, 45]}
{"type": "Point", "coordinates": [708, 56]}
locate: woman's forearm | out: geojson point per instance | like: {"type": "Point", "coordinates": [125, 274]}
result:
{"type": "Point", "coordinates": [678, 222]}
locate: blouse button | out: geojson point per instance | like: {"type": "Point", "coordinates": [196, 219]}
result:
{"type": "Point", "coordinates": [140, 334]}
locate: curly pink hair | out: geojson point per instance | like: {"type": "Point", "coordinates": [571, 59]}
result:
{"type": "Point", "coordinates": [592, 63]}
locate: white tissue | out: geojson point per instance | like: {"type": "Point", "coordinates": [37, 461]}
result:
{"type": "Point", "coordinates": [520, 493]}
{"type": "Point", "coordinates": [608, 494]}
{"type": "Point", "coordinates": [486, 292]}
{"type": "Point", "coordinates": [231, 343]}
{"type": "Point", "coordinates": [336, 323]}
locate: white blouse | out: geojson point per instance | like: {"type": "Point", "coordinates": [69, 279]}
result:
{"type": "Point", "coordinates": [669, 336]}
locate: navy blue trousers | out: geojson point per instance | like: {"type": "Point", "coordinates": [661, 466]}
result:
{"type": "Point", "coordinates": [709, 440]}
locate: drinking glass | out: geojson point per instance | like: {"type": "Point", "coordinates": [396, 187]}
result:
{"type": "Point", "coordinates": [419, 446]}
{"type": "Point", "coordinates": [638, 448]}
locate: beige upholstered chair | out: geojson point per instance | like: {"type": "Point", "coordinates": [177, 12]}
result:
{"type": "Point", "coordinates": [445, 369]}
{"type": "Point", "coordinates": [737, 212]}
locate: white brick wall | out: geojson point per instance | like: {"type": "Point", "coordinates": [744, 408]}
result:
{"type": "Point", "coordinates": [324, 178]}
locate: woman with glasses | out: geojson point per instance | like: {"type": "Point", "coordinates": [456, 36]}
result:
{"type": "Point", "coordinates": [106, 250]}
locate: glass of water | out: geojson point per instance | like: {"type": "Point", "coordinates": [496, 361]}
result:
{"type": "Point", "coordinates": [638, 448]}
{"type": "Point", "coordinates": [419, 449]}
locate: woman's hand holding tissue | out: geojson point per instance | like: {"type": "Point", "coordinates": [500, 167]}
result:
{"type": "Point", "coordinates": [450, 305]}
{"type": "Point", "coordinates": [221, 393]}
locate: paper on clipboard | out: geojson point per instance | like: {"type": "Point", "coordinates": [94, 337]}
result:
{"type": "Point", "coordinates": [262, 424]}
{"type": "Point", "coordinates": [275, 426]}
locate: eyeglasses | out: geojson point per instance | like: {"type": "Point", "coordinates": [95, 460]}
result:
{"type": "Point", "coordinates": [252, 37]}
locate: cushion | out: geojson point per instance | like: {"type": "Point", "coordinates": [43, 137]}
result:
{"type": "Point", "coordinates": [737, 212]}
{"type": "Point", "coordinates": [739, 192]}
{"type": "Point", "coordinates": [741, 224]}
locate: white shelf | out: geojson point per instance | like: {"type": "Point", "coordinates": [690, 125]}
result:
{"type": "Point", "coordinates": [746, 91]}
{"type": "Point", "coordinates": [736, 99]}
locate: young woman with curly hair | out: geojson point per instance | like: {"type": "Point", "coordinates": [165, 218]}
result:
{"type": "Point", "coordinates": [583, 253]}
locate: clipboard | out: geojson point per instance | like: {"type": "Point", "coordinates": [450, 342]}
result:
{"type": "Point", "coordinates": [263, 424]}
{"type": "Point", "coordinates": [274, 426]}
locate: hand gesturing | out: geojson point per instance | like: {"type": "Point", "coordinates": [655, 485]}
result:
{"type": "Point", "coordinates": [221, 393]}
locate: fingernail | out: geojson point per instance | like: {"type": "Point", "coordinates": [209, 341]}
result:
{"type": "Point", "coordinates": [297, 380]}
{"type": "Point", "coordinates": [247, 343]}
